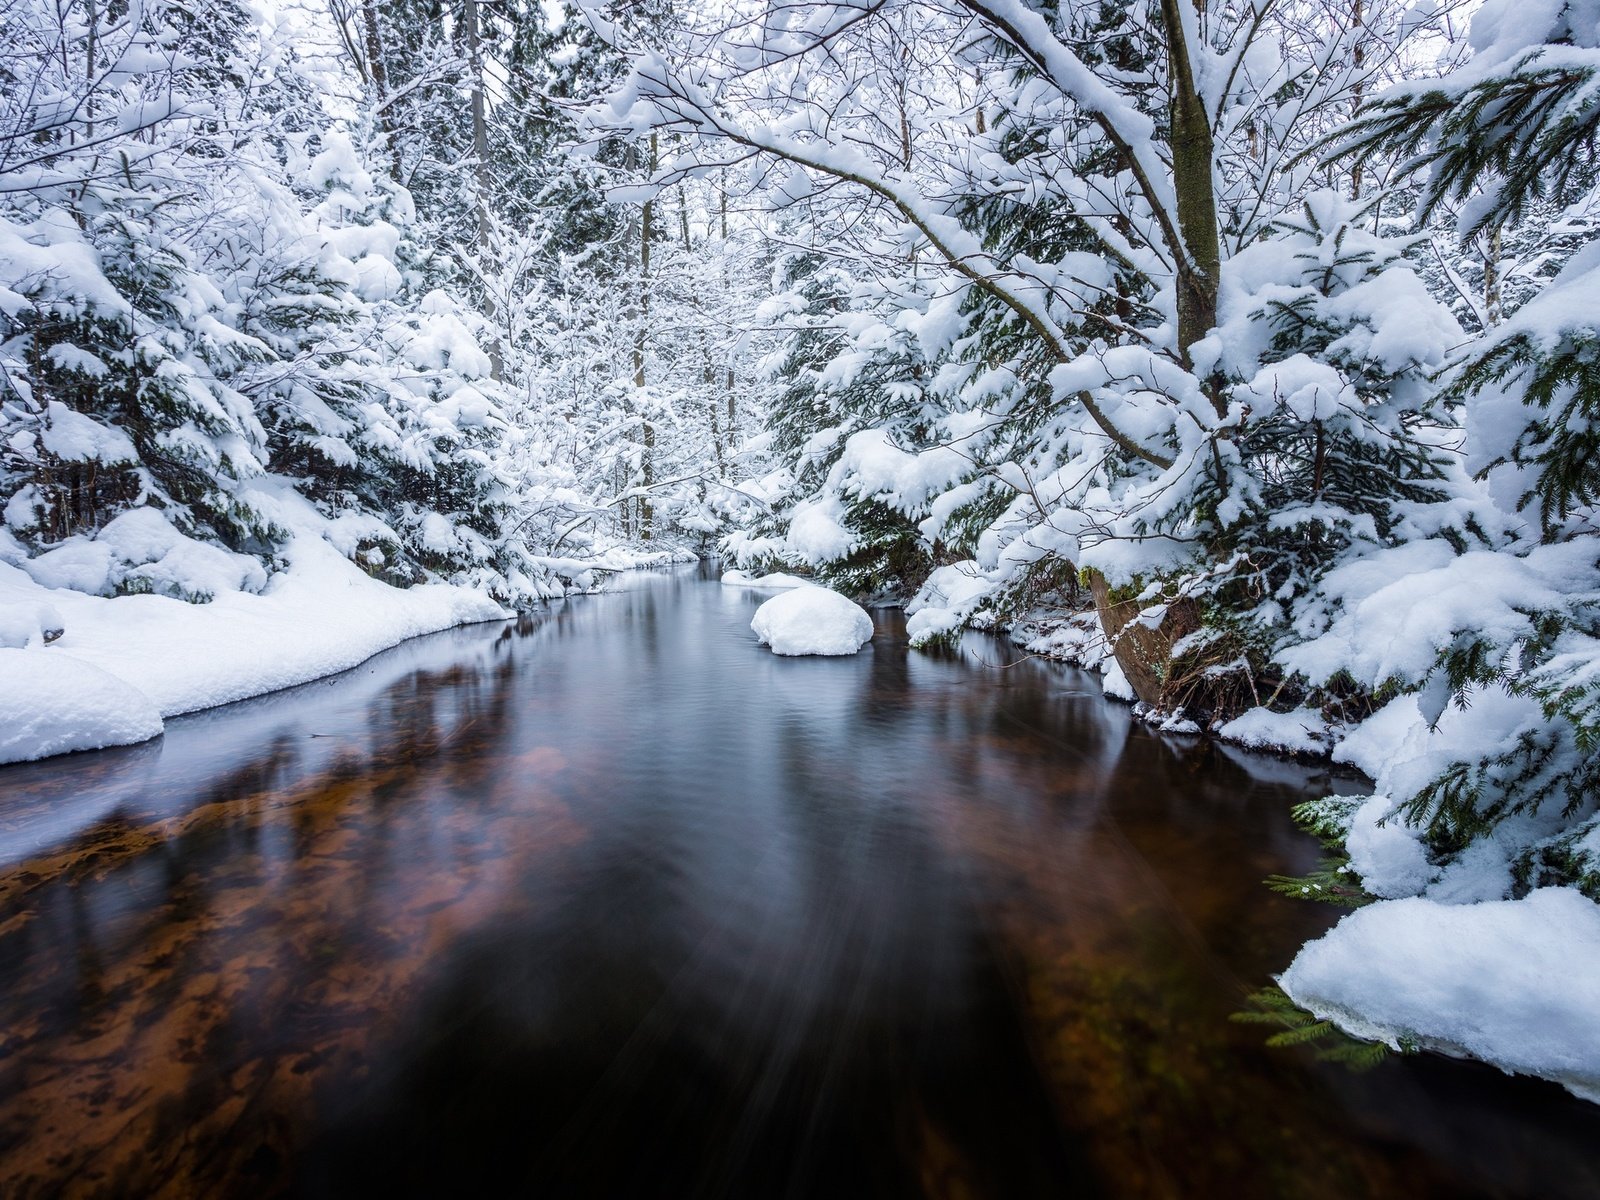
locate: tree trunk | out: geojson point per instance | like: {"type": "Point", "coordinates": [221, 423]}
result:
{"type": "Point", "coordinates": [378, 72]}
{"type": "Point", "coordinates": [733, 412]}
{"type": "Point", "coordinates": [1493, 300]}
{"type": "Point", "coordinates": [487, 267]}
{"type": "Point", "coordinates": [647, 430]}
{"type": "Point", "coordinates": [1143, 653]}
{"type": "Point", "coordinates": [1358, 22]}
{"type": "Point", "coordinates": [1199, 259]}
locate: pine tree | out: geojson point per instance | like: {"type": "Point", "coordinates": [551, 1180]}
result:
{"type": "Point", "coordinates": [855, 403]}
{"type": "Point", "coordinates": [1508, 138]}
{"type": "Point", "coordinates": [118, 348]}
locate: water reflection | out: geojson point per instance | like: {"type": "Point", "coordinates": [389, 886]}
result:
{"type": "Point", "coordinates": [616, 903]}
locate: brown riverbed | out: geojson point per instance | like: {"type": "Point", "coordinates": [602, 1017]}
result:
{"type": "Point", "coordinates": [612, 902]}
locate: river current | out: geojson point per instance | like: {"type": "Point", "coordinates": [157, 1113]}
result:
{"type": "Point", "coordinates": [612, 902]}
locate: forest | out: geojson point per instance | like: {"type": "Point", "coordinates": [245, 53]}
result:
{"type": "Point", "coordinates": [1245, 352]}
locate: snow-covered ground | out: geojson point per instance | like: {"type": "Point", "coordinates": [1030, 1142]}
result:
{"type": "Point", "coordinates": [812, 620]}
{"type": "Point", "coordinates": [1513, 982]}
{"type": "Point", "coordinates": [122, 664]}
{"type": "Point", "coordinates": [1444, 961]}
{"type": "Point", "coordinates": [1303, 731]}
{"type": "Point", "coordinates": [81, 671]}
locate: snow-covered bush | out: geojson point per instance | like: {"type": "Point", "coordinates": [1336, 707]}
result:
{"type": "Point", "coordinates": [1341, 445]}
{"type": "Point", "coordinates": [1519, 625]}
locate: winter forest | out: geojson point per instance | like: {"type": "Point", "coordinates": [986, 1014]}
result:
{"type": "Point", "coordinates": [1245, 353]}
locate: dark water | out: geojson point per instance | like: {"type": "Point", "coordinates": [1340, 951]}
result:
{"type": "Point", "coordinates": [615, 903]}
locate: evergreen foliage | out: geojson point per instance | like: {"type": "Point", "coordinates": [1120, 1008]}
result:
{"type": "Point", "coordinates": [1299, 1028]}
{"type": "Point", "coordinates": [1510, 138]}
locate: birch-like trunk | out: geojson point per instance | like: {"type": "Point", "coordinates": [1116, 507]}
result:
{"type": "Point", "coordinates": [487, 265]}
{"type": "Point", "coordinates": [647, 429]}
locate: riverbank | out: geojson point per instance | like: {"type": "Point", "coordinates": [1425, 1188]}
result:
{"type": "Point", "coordinates": [120, 665]}
{"type": "Point", "coordinates": [86, 672]}
{"type": "Point", "coordinates": [1468, 958]}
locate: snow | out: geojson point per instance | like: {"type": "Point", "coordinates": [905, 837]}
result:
{"type": "Point", "coordinates": [946, 602]}
{"type": "Point", "coordinates": [1398, 608]}
{"type": "Point", "coordinates": [812, 620]}
{"type": "Point", "coordinates": [1076, 640]}
{"type": "Point", "coordinates": [81, 565]}
{"type": "Point", "coordinates": [52, 703]}
{"type": "Point", "coordinates": [1302, 731]}
{"type": "Point", "coordinates": [873, 466]}
{"type": "Point", "coordinates": [1114, 682]}
{"type": "Point", "coordinates": [1513, 982]}
{"type": "Point", "coordinates": [775, 581]}
{"type": "Point", "coordinates": [74, 437]}
{"type": "Point", "coordinates": [28, 625]}
{"type": "Point", "coordinates": [817, 533]}
{"type": "Point", "coordinates": [1385, 852]}
{"type": "Point", "coordinates": [124, 663]}
{"type": "Point", "coordinates": [140, 551]}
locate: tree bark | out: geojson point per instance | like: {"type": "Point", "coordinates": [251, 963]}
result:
{"type": "Point", "coordinates": [487, 266]}
{"type": "Point", "coordinates": [1199, 258]}
{"type": "Point", "coordinates": [378, 72]}
{"type": "Point", "coordinates": [733, 412]}
{"type": "Point", "coordinates": [1142, 652]}
{"type": "Point", "coordinates": [1145, 653]}
{"type": "Point", "coordinates": [647, 430]}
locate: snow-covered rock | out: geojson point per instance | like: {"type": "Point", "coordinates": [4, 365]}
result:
{"type": "Point", "coordinates": [28, 624]}
{"type": "Point", "coordinates": [1303, 731]}
{"type": "Point", "coordinates": [52, 703]}
{"type": "Point", "coordinates": [812, 620]}
{"type": "Point", "coordinates": [1513, 982]}
{"type": "Point", "coordinates": [776, 581]}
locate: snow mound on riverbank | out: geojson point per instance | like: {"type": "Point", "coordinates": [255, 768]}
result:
{"type": "Point", "coordinates": [812, 620]}
{"type": "Point", "coordinates": [124, 662]}
{"type": "Point", "coordinates": [777, 580]}
{"type": "Point", "coordinates": [1513, 982]}
{"type": "Point", "coordinates": [51, 703]}
{"type": "Point", "coordinates": [1303, 731]}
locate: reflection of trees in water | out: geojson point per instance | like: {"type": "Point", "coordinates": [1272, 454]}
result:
{"type": "Point", "coordinates": [171, 983]}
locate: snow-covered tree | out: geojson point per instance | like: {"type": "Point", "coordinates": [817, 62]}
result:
{"type": "Point", "coordinates": [1078, 176]}
{"type": "Point", "coordinates": [116, 346]}
{"type": "Point", "coordinates": [1507, 138]}
{"type": "Point", "coordinates": [211, 292]}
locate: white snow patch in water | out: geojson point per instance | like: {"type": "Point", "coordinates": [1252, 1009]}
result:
{"type": "Point", "coordinates": [1303, 731]}
{"type": "Point", "coordinates": [812, 620]}
{"type": "Point", "coordinates": [776, 581]}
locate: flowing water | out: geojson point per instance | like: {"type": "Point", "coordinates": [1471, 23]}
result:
{"type": "Point", "coordinates": [613, 902]}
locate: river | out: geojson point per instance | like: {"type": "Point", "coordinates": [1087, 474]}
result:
{"type": "Point", "coordinates": [611, 901]}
